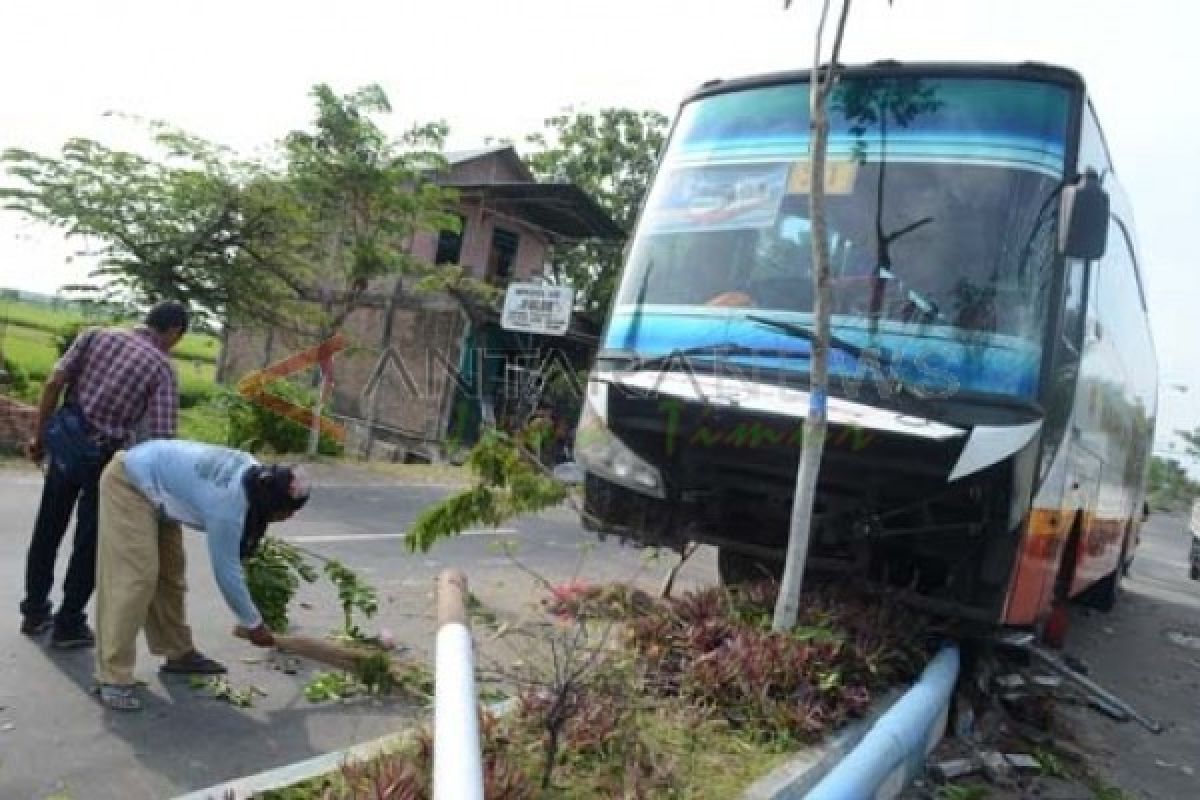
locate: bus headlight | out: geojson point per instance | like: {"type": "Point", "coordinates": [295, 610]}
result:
{"type": "Point", "coordinates": [599, 451]}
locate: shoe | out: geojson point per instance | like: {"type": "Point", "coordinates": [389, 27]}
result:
{"type": "Point", "coordinates": [118, 698]}
{"type": "Point", "coordinates": [35, 624]}
{"type": "Point", "coordinates": [70, 637]}
{"type": "Point", "coordinates": [192, 663]}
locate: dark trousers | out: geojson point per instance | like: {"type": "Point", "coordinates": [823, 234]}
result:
{"type": "Point", "coordinates": [64, 490]}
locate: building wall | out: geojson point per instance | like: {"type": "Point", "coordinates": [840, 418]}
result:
{"type": "Point", "coordinates": [411, 403]}
{"type": "Point", "coordinates": [425, 333]}
{"type": "Point", "coordinates": [16, 422]}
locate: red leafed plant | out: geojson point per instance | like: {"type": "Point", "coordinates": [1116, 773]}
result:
{"type": "Point", "coordinates": [407, 774]}
{"type": "Point", "coordinates": [715, 647]}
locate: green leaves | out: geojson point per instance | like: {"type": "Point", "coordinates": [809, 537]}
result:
{"type": "Point", "coordinates": [353, 594]}
{"type": "Point", "coordinates": [190, 225]}
{"type": "Point", "coordinates": [509, 482]}
{"type": "Point", "coordinates": [245, 239]}
{"type": "Point", "coordinates": [611, 155]}
{"type": "Point", "coordinates": [220, 688]}
{"type": "Point", "coordinates": [273, 575]}
{"type": "Point", "coordinates": [332, 686]}
{"type": "Point", "coordinates": [365, 193]}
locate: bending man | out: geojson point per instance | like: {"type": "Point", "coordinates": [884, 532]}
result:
{"type": "Point", "coordinates": [146, 494]}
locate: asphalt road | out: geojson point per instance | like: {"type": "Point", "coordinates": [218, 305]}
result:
{"type": "Point", "coordinates": [1147, 651]}
{"type": "Point", "coordinates": [54, 737]}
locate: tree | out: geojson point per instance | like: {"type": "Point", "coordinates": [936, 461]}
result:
{"type": "Point", "coordinates": [611, 155]}
{"type": "Point", "coordinates": [196, 224]}
{"type": "Point", "coordinates": [366, 194]}
{"type": "Point", "coordinates": [822, 81]}
{"type": "Point", "coordinates": [1191, 440]}
{"type": "Point", "coordinates": [1168, 486]}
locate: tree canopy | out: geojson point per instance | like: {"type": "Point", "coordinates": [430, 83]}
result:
{"type": "Point", "coordinates": [611, 155]}
{"type": "Point", "coordinates": [195, 224]}
{"type": "Point", "coordinates": [1168, 486]}
{"type": "Point", "coordinates": [1191, 440]}
{"type": "Point", "coordinates": [257, 240]}
{"type": "Point", "coordinates": [366, 194]}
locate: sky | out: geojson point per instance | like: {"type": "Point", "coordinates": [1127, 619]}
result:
{"type": "Point", "coordinates": [238, 73]}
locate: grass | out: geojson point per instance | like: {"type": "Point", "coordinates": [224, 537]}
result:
{"type": "Point", "coordinates": [32, 350]}
{"type": "Point", "coordinates": [35, 350]}
{"type": "Point", "coordinates": [644, 720]}
{"type": "Point", "coordinates": [705, 759]}
{"type": "Point", "coordinates": [49, 321]}
{"type": "Point", "coordinates": [39, 317]}
{"type": "Point", "coordinates": [204, 423]}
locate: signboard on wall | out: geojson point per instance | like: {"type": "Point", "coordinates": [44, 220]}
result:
{"type": "Point", "coordinates": [536, 308]}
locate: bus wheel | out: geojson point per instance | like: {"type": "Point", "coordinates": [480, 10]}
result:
{"type": "Point", "coordinates": [734, 568]}
{"type": "Point", "coordinates": [1103, 595]}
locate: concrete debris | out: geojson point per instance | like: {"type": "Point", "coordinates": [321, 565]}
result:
{"type": "Point", "coordinates": [1010, 681]}
{"type": "Point", "coordinates": [1070, 751]}
{"type": "Point", "coordinates": [954, 768]}
{"type": "Point", "coordinates": [997, 768]}
{"type": "Point", "coordinates": [1023, 762]}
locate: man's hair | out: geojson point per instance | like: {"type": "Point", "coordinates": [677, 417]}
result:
{"type": "Point", "coordinates": [166, 315]}
{"type": "Point", "coordinates": [269, 490]}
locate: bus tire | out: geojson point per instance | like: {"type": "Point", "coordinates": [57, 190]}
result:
{"type": "Point", "coordinates": [736, 568]}
{"type": "Point", "coordinates": [1104, 594]}
{"type": "Point", "coordinates": [1194, 573]}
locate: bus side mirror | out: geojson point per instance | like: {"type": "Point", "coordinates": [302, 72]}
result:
{"type": "Point", "coordinates": [1083, 221]}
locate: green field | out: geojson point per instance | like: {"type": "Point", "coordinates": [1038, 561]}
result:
{"type": "Point", "coordinates": [28, 338]}
{"type": "Point", "coordinates": [18, 316]}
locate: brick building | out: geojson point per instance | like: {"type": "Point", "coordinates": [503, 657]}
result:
{"type": "Point", "coordinates": [419, 362]}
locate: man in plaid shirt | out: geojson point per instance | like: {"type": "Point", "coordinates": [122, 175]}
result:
{"type": "Point", "coordinates": [119, 387]}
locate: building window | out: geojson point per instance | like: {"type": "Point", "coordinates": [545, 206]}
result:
{"type": "Point", "coordinates": [503, 255]}
{"type": "Point", "coordinates": [449, 244]}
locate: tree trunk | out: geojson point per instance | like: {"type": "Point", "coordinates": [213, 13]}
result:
{"type": "Point", "coordinates": [787, 606]}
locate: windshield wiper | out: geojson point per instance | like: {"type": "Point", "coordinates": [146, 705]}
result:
{"type": "Point", "coordinates": [806, 333]}
{"type": "Point", "coordinates": [723, 349]}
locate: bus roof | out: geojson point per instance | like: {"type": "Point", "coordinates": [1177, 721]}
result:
{"type": "Point", "coordinates": [1027, 70]}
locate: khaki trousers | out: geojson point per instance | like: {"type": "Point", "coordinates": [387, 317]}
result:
{"type": "Point", "coordinates": [140, 583]}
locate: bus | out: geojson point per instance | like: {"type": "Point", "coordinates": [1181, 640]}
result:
{"type": "Point", "coordinates": [992, 376]}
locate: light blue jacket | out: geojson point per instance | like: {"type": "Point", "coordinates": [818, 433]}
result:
{"type": "Point", "coordinates": [200, 486]}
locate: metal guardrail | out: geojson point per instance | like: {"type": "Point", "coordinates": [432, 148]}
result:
{"type": "Point", "coordinates": [457, 758]}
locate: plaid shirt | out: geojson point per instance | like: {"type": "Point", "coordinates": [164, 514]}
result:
{"type": "Point", "coordinates": [121, 380]}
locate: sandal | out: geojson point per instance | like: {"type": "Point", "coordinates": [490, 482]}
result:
{"type": "Point", "coordinates": [193, 663]}
{"type": "Point", "coordinates": [118, 698]}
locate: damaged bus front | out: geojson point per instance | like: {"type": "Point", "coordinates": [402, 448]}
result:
{"type": "Point", "coordinates": [992, 379]}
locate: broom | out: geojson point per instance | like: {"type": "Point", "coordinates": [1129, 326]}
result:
{"type": "Point", "coordinates": [343, 656]}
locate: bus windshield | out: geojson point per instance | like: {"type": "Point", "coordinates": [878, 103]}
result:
{"type": "Point", "coordinates": [941, 218]}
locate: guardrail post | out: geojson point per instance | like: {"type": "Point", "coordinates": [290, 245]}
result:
{"type": "Point", "coordinates": [457, 755]}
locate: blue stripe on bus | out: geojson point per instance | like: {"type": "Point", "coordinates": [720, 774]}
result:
{"type": "Point", "coordinates": [937, 361]}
